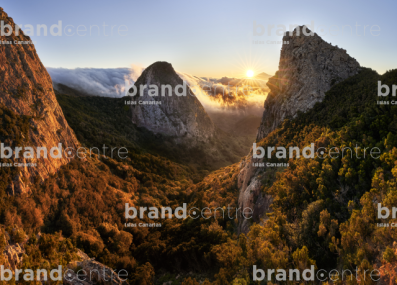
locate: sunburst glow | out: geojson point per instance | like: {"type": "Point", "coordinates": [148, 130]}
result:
{"type": "Point", "coordinates": [250, 73]}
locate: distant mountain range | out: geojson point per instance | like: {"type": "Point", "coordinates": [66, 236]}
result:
{"type": "Point", "coordinates": [263, 76]}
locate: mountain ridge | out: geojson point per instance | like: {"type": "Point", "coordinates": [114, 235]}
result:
{"type": "Point", "coordinates": [27, 94]}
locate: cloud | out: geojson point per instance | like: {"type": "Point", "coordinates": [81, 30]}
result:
{"type": "Point", "coordinates": [107, 82]}
{"type": "Point", "coordinates": [231, 95]}
{"type": "Point", "coordinates": [213, 93]}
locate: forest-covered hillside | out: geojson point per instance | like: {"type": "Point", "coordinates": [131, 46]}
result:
{"type": "Point", "coordinates": [324, 211]}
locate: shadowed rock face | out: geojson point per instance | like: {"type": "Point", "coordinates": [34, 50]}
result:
{"type": "Point", "coordinates": [26, 89]}
{"type": "Point", "coordinates": [308, 68]}
{"type": "Point", "coordinates": [182, 117]}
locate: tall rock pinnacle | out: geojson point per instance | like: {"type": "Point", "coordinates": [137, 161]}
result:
{"type": "Point", "coordinates": [308, 68]}
{"type": "Point", "coordinates": [176, 112]}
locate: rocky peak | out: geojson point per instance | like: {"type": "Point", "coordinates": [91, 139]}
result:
{"type": "Point", "coordinates": [308, 68]}
{"type": "Point", "coordinates": [27, 95]}
{"type": "Point", "coordinates": [175, 113]}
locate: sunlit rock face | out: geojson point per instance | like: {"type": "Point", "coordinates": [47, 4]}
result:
{"type": "Point", "coordinates": [176, 111]}
{"type": "Point", "coordinates": [26, 90]}
{"type": "Point", "coordinates": [308, 68]}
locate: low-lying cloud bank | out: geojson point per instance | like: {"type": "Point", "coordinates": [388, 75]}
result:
{"type": "Point", "coordinates": [107, 82]}
{"type": "Point", "coordinates": [213, 93]}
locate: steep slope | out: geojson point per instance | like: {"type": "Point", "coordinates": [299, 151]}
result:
{"type": "Point", "coordinates": [179, 116]}
{"type": "Point", "coordinates": [29, 105]}
{"type": "Point", "coordinates": [325, 202]}
{"type": "Point", "coordinates": [308, 68]}
{"type": "Point", "coordinates": [98, 120]}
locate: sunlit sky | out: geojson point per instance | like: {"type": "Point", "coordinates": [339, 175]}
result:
{"type": "Point", "coordinates": [203, 38]}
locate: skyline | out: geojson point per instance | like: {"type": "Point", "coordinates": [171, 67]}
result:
{"type": "Point", "coordinates": [217, 40]}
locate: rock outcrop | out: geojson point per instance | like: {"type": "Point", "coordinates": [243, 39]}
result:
{"type": "Point", "coordinates": [308, 68]}
{"type": "Point", "coordinates": [26, 89]}
{"type": "Point", "coordinates": [13, 255]}
{"type": "Point", "coordinates": [250, 195]}
{"type": "Point", "coordinates": [176, 112]}
{"type": "Point", "coordinates": [90, 272]}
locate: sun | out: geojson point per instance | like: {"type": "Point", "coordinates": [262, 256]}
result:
{"type": "Point", "coordinates": [250, 73]}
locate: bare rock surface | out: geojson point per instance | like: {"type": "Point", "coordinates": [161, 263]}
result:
{"type": "Point", "coordinates": [308, 68]}
{"type": "Point", "coordinates": [13, 255]}
{"type": "Point", "coordinates": [26, 89]}
{"type": "Point", "coordinates": [90, 272]}
{"type": "Point", "coordinates": [179, 116]}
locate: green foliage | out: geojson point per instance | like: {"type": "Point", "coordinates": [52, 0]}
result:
{"type": "Point", "coordinates": [389, 255]}
{"type": "Point", "coordinates": [144, 275]}
{"type": "Point", "coordinates": [14, 131]}
{"type": "Point", "coordinates": [17, 235]}
{"type": "Point", "coordinates": [101, 120]}
{"type": "Point", "coordinates": [325, 209]}
{"type": "Point", "coordinates": [3, 243]}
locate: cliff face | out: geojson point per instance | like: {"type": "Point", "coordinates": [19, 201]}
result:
{"type": "Point", "coordinates": [308, 68]}
{"type": "Point", "coordinates": [182, 117]}
{"type": "Point", "coordinates": [26, 90]}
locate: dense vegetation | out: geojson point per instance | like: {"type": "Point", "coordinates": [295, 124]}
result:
{"type": "Point", "coordinates": [324, 211]}
{"type": "Point", "coordinates": [101, 120]}
{"type": "Point", "coordinates": [13, 132]}
{"type": "Point", "coordinates": [82, 205]}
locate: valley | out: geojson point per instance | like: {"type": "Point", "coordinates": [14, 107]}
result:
{"type": "Point", "coordinates": [101, 213]}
